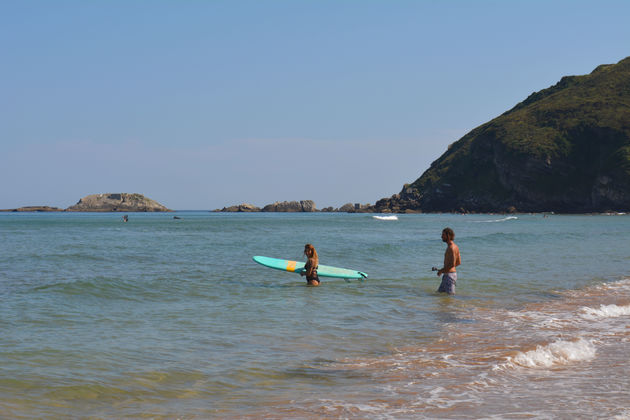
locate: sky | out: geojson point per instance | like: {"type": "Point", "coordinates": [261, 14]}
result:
{"type": "Point", "coordinates": [205, 104]}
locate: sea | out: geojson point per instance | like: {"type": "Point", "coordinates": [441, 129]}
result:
{"type": "Point", "coordinates": [170, 318]}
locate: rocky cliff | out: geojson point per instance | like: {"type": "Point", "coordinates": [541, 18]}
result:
{"type": "Point", "coordinates": [563, 149]}
{"type": "Point", "coordinates": [122, 202]}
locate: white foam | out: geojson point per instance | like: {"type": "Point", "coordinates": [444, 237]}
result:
{"type": "Point", "coordinates": [505, 219]}
{"type": "Point", "coordinates": [392, 217]}
{"type": "Point", "coordinates": [336, 405]}
{"type": "Point", "coordinates": [514, 320]}
{"type": "Point", "coordinates": [623, 416]}
{"type": "Point", "coordinates": [557, 353]}
{"type": "Point", "coordinates": [621, 286]}
{"type": "Point", "coordinates": [436, 399]}
{"type": "Point", "coordinates": [604, 311]}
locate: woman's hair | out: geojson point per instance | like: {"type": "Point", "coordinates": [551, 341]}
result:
{"type": "Point", "coordinates": [449, 233]}
{"type": "Point", "coordinates": [309, 251]}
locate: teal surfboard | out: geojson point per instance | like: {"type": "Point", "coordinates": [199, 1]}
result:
{"type": "Point", "coordinates": [298, 267]}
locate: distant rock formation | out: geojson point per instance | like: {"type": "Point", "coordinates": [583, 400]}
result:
{"type": "Point", "coordinates": [304, 206]}
{"type": "Point", "coordinates": [34, 209]}
{"type": "Point", "coordinates": [240, 208]}
{"type": "Point", "coordinates": [291, 206]}
{"type": "Point", "coordinates": [121, 202]}
{"type": "Point", "coordinates": [355, 208]}
{"type": "Point", "coordinates": [348, 207]}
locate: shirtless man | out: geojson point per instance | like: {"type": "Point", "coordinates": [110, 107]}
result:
{"type": "Point", "coordinates": [451, 260]}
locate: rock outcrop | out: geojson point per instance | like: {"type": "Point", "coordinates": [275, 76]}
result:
{"type": "Point", "coordinates": [291, 206]}
{"type": "Point", "coordinates": [563, 149]}
{"type": "Point", "coordinates": [355, 208]}
{"type": "Point", "coordinates": [279, 206]}
{"type": "Point", "coordinates": [34, 209]}
{"type": "Point", "coordinates": [240, 208]}
{"type": "Point", "coordinates": [117, 202]}
{"type": "Point", "coordinates": [305, 206]}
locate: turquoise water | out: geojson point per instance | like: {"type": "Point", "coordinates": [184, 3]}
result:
{"type": "Point", "coordinates": [166, 318]}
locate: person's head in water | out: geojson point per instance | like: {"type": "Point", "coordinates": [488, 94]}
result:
{"type": "Point", "coordinates": [309, 251]}
{"type": "Point", "coordinates": [448, 234]}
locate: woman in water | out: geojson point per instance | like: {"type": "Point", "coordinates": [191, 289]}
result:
{"type": "Point", "coordinates": [310, 268]}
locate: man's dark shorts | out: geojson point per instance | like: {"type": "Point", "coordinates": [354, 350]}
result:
{"type": "Point", "coordinates": [449, 280]}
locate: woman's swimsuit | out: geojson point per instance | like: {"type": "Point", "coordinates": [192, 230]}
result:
{"type": "Point", "coordinates": [314, 276]}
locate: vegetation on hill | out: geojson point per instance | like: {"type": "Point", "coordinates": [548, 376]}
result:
{"type": "Point", "coordinates": [564, 149]}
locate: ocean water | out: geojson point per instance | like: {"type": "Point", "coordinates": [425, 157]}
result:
{"type": "Point", "coordinates": [169, 318]}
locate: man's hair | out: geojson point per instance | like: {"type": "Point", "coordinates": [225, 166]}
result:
{"type": "Point", "coordinates": [449, 233]}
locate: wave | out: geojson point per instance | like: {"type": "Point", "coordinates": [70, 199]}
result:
{"type": "Point", "coordinates": [604, 311]}
{"type": "Point", "coordinates": [608, 289]}
{"type": "Point", "coordinates": [505, 219]}
{"type": "Point", "coordinates": [557, 353]}
{"type": "Point", "coordinates": [391, 217]}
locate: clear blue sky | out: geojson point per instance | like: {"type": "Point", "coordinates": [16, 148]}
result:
{"type": "Point", "coordinates": [204, 104]}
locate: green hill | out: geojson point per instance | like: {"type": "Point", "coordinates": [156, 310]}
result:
{"type": "Point", "coordinates": [563, 149]}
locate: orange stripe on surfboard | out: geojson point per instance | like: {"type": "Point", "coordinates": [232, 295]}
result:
{"type": "Point", "coordinates": [291, 266]}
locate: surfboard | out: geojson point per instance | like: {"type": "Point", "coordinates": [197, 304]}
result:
{"type": "Point", "coordinates": [298, 267]}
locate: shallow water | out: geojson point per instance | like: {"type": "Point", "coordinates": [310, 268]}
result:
{"type": "Point", "coordinates": [165, 318]}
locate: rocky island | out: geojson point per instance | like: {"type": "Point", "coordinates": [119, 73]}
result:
{"type": "Point", "coordinates": [563, 149]}
{"type": "Point", "coordinates": [279, 206]}
{"type": "Point", "coordinates": [117, 202]}
{"type": "Point", "coordinates": [110, 202]}
{"type": "Point", "coordinates": [33, 209]}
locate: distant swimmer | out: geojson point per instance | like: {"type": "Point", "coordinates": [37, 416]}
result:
{"type": "Point", "coordinates": [310, 268]}
{"type": "Point", "coordinates": [452, 259]}
{"type": "Point", "coordinates": [125, 218]}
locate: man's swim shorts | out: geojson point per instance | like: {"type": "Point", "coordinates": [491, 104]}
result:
{"type": "Point", "coordinates": [449, 280]}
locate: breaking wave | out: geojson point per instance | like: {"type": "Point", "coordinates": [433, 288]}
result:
{"type": "Point", "coordinates": [505, 219]}
{"type": "Point", "coordinates": [557, 353]}
{"type": "Point", "coordinates": [391, 217]}
{"type": "Point", "coordinates": [604, 311]}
